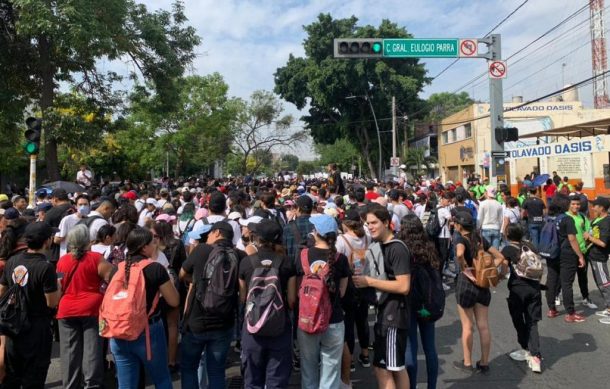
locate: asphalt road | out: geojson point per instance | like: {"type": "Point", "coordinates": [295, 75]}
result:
{"type": "Point", "coordinates": [574, 355]}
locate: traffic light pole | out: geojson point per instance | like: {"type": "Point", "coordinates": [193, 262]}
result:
{"type": "Point", "coordinates": [32, 187]}
{"type": "Point", "coordinates": [496, 112]}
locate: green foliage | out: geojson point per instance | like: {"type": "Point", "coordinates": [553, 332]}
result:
{"type": "Point", "coordinates": [441, 105]}
{"type": "Point", "coordinates": [417, 162]}
{"type": "Point", "coordinates": [289, 162]}
{"type": "Point", "coordinates": [323, 83]}
{"type": "Point", "coordinates": [308, 167]}
{"type": "Point", "coordinates": [342, 152]}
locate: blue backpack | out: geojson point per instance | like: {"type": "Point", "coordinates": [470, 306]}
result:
{"type": "Point", "coordinates": [473, 209]}
{"type": "Point", "coordinates": [549, 247]}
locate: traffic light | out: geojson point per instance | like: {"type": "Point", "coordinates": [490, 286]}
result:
{"type": "Point", "coordinates": [358, 48]}
{"type": "Point", "coordinates": [32, 135]}
{"type": "Point", "coordinates": [510, 134]}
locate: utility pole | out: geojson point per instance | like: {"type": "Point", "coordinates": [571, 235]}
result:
{"type": "Point", "coordinates": [496, 113]}
{"type": "Point", "coordinates": [394, 168]}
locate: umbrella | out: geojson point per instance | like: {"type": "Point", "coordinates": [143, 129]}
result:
{"type": "Point", "coordinates": [540, 180]}
{"type": "Point", "coordinates": [68, 186]}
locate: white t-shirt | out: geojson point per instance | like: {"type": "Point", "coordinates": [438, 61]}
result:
{"type": "Point", "coordinates": [444, 217]}
{"type": "Point", "coordinates": [102, 249]}
{"type": "Point", "coordinates": [84, 178]}
{"type": "Point", "coordinates": [513, 215]}
{"type": "Point", "coordinates": [65, 225]}
{"type": "Point", "coordinates": [218, 218]}
{"type": "Point", "coordinates": [419, 210]}
{"type": "Point", "coordinates": [400, 210]}
{"type": "Point", "coordinates": [144, 215]}
{"type": "Point", "coordinates": [96, 225]}
{"type": "Point", "coordinates": [162, 259]}
{"type": "Point", "coordinates": [355, 242]}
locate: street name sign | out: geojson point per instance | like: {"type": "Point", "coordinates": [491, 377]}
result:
{"type": "Point", "coordinates": [421, 48]}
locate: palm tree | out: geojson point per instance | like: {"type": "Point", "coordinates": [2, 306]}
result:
{"type": "Point", "coordinates": [417, 162]}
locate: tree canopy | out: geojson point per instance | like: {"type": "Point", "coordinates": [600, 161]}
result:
{"type": "Point", "coordinates": [322, 83]}
{"type": "Point", "coordinates": [441, 105]}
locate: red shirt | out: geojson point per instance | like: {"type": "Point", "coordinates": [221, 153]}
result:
{"type": "Point", "coordinates": [550, 190]}
{"type": "Point", "coordinates": [371, 195]}
{"type": "Point", "coordinates": [82, 298]}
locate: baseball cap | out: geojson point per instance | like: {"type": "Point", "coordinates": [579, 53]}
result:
{"type": "Point", "coordinates": [3, 197]}
{"type": "Point", "coordinates": [352, 215]}
{"type": "Point", "coordinates": [44, 207]}
{"type": "Point", "coordinates": [491, 191]}
{"type": "Point", "coordinates": [165, 217]}
{"type": "Point", "coordinates": [201, 213]}
{"type": "Point", "coordinates": [41, 193]}
{"type": "Point", "coordinates": [464, 219]}
{"type": "Point", "coordinates": [224, 227]}
{"type": "Point", "coordinates": [250, 220]}
{"type": "Point", "coordinates": [151, 201]}
{"type": "Point", "coordinates": [268, 230]}
{"type": "Point", "coordinates": [131, 195]}
{"type": "Point", "coordinates": [602, 201]}
{"type": "Point", "coordinates": [59, 194]}
{"type": "Point", "coordinates": [305, 203]}
{"type": "Point", "coordinates": [324, 224]}
{"type": "Point", "coordinates": [11, 213]}
{"type": "Point", "coordinates": [234, 215]}
{"type": "Point", "coordinates": [196, 233]}
{"type": "Point", "coordinates": [39, 230]}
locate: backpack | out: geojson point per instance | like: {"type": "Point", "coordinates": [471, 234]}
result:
{"type": "Point", "coordinates": [357, 257]}
{"type": "Point", "coordinates": [315, 308]}
{"type": "Point", "coordinates": [433, 226]}
{"type": "Point", "coordinates": [265, 313]}
{"type": "Point", "coordinates": [117, 254]}
{"type": "Point", "coordinates": [375, 265]}
{"type": "Point", "coordinates": [427, 293]}
{"type": "Point", "coordinates": [549, 247]}
{"type": "Point", "coordinates": [485, 270]}
{"type": "Point", "coordinates": [88, 221]}
{"type": "Point", "coordinates": [14, 317]}
{"type": "Point", "coordinates": [473, 209]}
{"type": "Point", "coordinates": [123, 313]}
{"type": "Point", "coordinates": [184, 235]}
{"type": "Point", "coordinates": [216, 290]}
{"type": "Point", "coordinates": [529, 265]}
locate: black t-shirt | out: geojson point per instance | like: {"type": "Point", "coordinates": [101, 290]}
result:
{"type": "Point", "coordinates": [566, 227]}
{"type": "Point", "coordinates": [469, 252]}
{"type": "Point", "coordinates": [340, 270]}
{"type": "Point", "coordinates": [194, 265]}
{"type": "Point", "coordinates": [535, 210]}
{"type": "Point", "coordinates": [155, 275]}
{"type": "Point", "coordinates": [55, 214]}
{"type": "Point", "coordinates": [40, 279]}
{"type": "Point", "coordinates": [396, 262]}
{"type": "Point", "coordinates": [338, 183]}
{"type": "Point", "coordinates": [601, 230]}
{"type": "Point", "coordinates": [513, 254]}
{"type": "Point", "coordinates": [285, 266]}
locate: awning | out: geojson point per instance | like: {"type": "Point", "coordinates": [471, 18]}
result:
{"type": "Point", "coordinates": [580, 130]}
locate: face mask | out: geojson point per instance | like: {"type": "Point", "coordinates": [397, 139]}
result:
{"type": "Point", "coordinates": [84, 210]}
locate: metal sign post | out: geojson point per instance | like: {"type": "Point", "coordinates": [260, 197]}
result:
{"type": "Point", "coordinates": [32, 187]}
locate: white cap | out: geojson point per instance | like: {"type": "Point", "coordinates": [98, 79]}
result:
{"type": "Point", "coordinates": [234, 215]}
{"type": "Point", "coordinates": [251, 219]}
{"type": "Point", "coordinates": [152, 201]}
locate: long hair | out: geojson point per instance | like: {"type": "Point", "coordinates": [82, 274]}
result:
{"type": "Point", "coordinates": [331, 240]}
{"type": "Point", "coordinates": [125, 213]}
{"type": "Point", "coordinates": [356, 227]}
{"type": "Point", "coordinates": [137, 239]}
{"type": "Point", "coordinates": [78, 241]}
{"type": "Point", "coordinates": [165, 233]}
{"type": "Point", "coordinates": [120, 237]}
{"type": "Point", "coordinates": [11, 235]}
{"type": "Point", "coordinates": [276, 247]}
{"type": "Point", "coordinates": [415, 237]}
{"type": "Point", "coordinates": [105, 231]}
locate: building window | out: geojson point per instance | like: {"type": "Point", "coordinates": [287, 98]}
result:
{"type": "Point", "coordinates": [452, 135]}
{"type": "Point", "coordinates": [445, 137]}
{"type": "Point", "coordinates": [467, 131]}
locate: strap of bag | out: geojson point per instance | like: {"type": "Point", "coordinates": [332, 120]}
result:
{"type": "Point", "coordinates": [351, 249]}
{"type": "Point", "coordinates": [150, 312]}
{"type": "Point", "coordinates": [305, 261]}
{"type": "Point", "coordinates": [70, 276]}
{"type": "Point", "coordinates": [296, 232]}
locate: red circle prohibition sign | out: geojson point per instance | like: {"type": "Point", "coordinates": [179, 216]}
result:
{"type": "Point", "coordinates": [497, 69]}
{"type": "Point", "coordinates": [468, 47]}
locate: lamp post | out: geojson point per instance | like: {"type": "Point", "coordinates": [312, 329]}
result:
{"type": "Point", "coordinates": [366, 97]}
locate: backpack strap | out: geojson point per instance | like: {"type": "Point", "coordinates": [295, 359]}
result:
{"type": "Point", "coordinates": [145, 263]}
{"type": "Point", "coordinates": [351, 249]}
{"type": "Point", "coordinates": [305, 261]}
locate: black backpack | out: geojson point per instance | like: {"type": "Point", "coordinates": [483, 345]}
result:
{"type": "Point", "coordinates": [87, 221]}
{"type": "Point", "coordinates": [216, 290]}
{"type": "Point", "coordinates": [433, 226]}
{"type": "Point", "coordinates": [14, 309]}
{"type": "Point", "coordinates": [427, 293]}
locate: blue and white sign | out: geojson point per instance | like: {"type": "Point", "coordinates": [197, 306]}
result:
{"type": "Point", "coordinates": [578, 146]}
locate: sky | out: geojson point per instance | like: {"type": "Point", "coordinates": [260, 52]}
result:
{"type": "Point", "coordinates": [247, 40]}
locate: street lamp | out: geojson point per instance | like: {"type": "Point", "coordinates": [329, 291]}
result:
{"type": "Point", "coordinates": [366, 97]}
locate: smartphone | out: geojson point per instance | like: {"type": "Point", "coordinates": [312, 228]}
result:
{"type": "Point", "coordinates": [60, 275]}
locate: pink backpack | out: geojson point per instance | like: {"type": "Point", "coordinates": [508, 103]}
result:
{"type": "Point", "coordinates": [123, 312]}
{"type": "Point", "coordinates": [315, 307]}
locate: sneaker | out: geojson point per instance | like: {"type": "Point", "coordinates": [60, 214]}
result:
{"type": "Point", "coordinates": [589, 304]}
{"type": "Point", "coordinates": [604, 313]}
{"type": "Point", "coordinates": [483, 369]}
{"type": "Point", "coordinates": [459, 365]}
{"type": "Point", "coordinates": [534, 363]}
{"type": "Point", "coordinates": [557, 301]}
{"type": "Point", "coordinates": [552, 313]}
{"type": "Point", "coordinates": [605, 320]}
{"type": "Point", "coordinates": [364, 361]}
{"type": "Point", "coordinates": [447, 272]}
{"type": "Point", "coordinates": [446, 287]}
{"type": "Point", "coordinates": [519, 355]}
{"type": "Point", "coordinates": [574, 318]}
{"type": "Point", "coordinates": [296, 365]}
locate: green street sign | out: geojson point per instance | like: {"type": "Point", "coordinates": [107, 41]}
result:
{"type": "Point", "coordinates": [421, 48]}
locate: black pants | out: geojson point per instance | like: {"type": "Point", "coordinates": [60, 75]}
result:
{"type": "Point", "coordinates": [525, 308]}
{"type": "Point", "coordinates": [443, 245]}
{"type": "Point", "coordinates": [569, 268]}
{"type": "Point", "coordinates": [28, 356]}
{"type": "Point", "coordinates": [358, 315]}
{"type": "Point", "coordinates": [553, 282]}
{"type": "Point", "coordinates": [583, 280]}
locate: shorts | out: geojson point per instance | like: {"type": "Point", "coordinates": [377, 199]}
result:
{"type": "Point", "coordinates": [390, 349]}
{"type": "Point", "coordinates": [468, 294]}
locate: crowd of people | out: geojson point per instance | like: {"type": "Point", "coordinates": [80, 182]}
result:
{"type": "Point", "coordinates": [163, 279]}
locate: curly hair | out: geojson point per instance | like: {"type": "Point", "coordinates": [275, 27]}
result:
{"type": "Point", "coordinates": [423, 251]}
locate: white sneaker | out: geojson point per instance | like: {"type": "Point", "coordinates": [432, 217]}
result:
{"type": "Point", "coordinates": [589, 304]}
{"type": "Point", "coordinates": [605, 320]}
{"type": "Point", "coordinates": [557, 301]}
{"type": "Point", "coordinates": [519, 355]}
{"type": "Point", "coordinates": [534, 364]}
{"type": "Point", "coordinates": [604, 313]}
{"type": "Point", "coordinates": [448, 273]}
{"type": "Point", "coordinates": [446, 287]}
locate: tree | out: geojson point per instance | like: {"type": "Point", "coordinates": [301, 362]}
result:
{"type": "Point", "coordinates": [289, 162]}
{"type": "Point", "coordinates": [259, 128]}
{"type": "Point", "coordinates": [342, 152]}
{"type": "Point", "coordinates": [323, 83]}
{"type": "Point", "coordinates": [441, 105]}
{"type": "Point", "coordinates": [417, 162]}
{"type": "Point", "coordinates": [307, 167]}
{"type": "Point", "coordinates": [61, 41]}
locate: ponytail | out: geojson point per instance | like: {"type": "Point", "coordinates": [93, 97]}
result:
{"type": "Point", "coordinates": [331, 241]}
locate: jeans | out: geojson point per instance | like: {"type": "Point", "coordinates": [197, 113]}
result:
{"type": "Point", "coordinates": [427, 335]}
{"type": "Point", "coordinates": [130, 354]}
{"type": "Point", "coordinates": [216, 345]}
{"type": "Point", "coordinates": [493, 236]}
{"type": "Point", "coordinates": [534, 230]}
{"type": "Point", "coordinates": [81, 353]}
{"type": "Point", "coordinates": [266, 360]}
{"type": "Point", "coordinates": [321, 357]}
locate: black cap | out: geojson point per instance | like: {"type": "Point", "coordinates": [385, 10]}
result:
{"type": "Point", "coordinates": [44, 207]}
{"type": "Point", "coordinates": [59, 194]}
{"type": "Point", "coordinates": [603, 201]}
{"type": "Point", "coordinates": [464, 219]}
{"type": "Point", "coordinates": [353, 215]}
{"type": "Point", "coordinates": [268, 230]}
{"type": "Point", "coordinates": [11, 213]}
{"type": "Point", "coordinates": [39, 231]}
{"type": "Point", "coordinates": [224, 227]}
{"type": "Point", "coordinates": [305, 203]}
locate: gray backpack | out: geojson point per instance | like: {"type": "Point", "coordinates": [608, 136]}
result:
{"type": "Point", "coordinates": [375, 266]}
